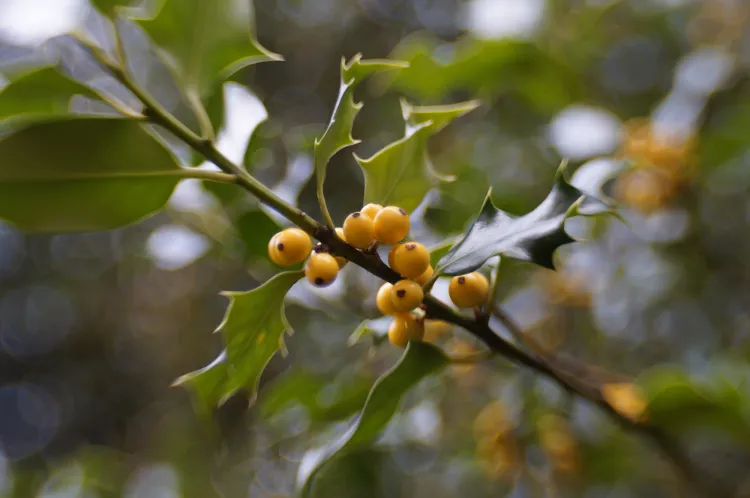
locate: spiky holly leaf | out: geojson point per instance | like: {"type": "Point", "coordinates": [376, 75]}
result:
{"type": "Point", "coordinates": [338, 135]}
{"type": "Point", "coordinates": [418, 361]}
{"type": "Point", "coordinates": [532, 237]}
{"type": "Point", "coordinates": [401, 173]}
{"type": "Point", "coordinates": [253, 330]}
{"type": "Point", "coordinates": [205, 41]}
{"type": "Point", "coordinates": [43, 92]}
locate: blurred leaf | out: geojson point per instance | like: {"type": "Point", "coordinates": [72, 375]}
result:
{"type": "Point", "coordinates": [457, 203]}
{"type": "Point", "coordinates": [626, 398]}
{"type": "Point", "coordinates": [256, 228]}
{"type": "Point", "coordinates": [725, 138]}
{"type": "Point", "coordinates": [338, 135]}
{"type": "Point", "coordinates": [438, 251]}
{"type": "Point", "coordinates": [82, 174]}
{"type": "Point", "coordinates": [253, 330]}
{"type": "Point", "coordinates": [418, 361]}
{"type": "Point", "coordinates": [532, 237]}
{"type": "Point", "coordinates": [528, 72]}
{"type": "Point", "coordinates": [359, 475]}
{"type": "Point", "coordinates": [107, 7]}
{"type": "Point", "coordinates": [609, 459]}
{"type": "Point", "coordinates": [348, 393]}
{"type": "Point", "coordinates": [205, 41]}
{"type": "Point", "coordinates": [678, 404]}
{"type": "Point", "coordinates": [401, 173]}
{"type": "Point", "coordinates": [42, 92]}
{"type": "Point", "coordinates": [361, 331]}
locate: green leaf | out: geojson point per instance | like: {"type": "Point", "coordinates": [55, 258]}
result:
{"type": "Point", "coordinates": [532, 237]}
{"type": "Point", "coordinates": [679, 404]}
{"type": "Point", "coordinates": [256, 228]}
{"type": "Point", "coordinates": [419, 361]}
{"type": "Point", "coordinates": [208, 383]}
{"type": "Point", "coordinates": [253, 330]}
{"type": "Point", "coordinates": [338, 135]}
{"type": "Point", "coordinates": [438, 251]}
{"type": "Point", "coordinates": [42, 92]}
{"type": "Point", "coordinates": [205, 41]}
{"type": "Point", "coordinates": [108, 7]}
{"type": "Point", "coordinates": [530, 74]}
{"type": "Point", "coordinates": [348, 392]}
{"type": "Point", "coordinates": [401, 173]}
{"type": "Point", "coordinates": [79, 174]}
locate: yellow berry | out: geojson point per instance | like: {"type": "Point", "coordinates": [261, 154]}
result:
{"type": "Point", "coordinates": [340, 234]}
{"type": "Point", "coordinates": [403, 329]}
{"type": "Point", "coordinates": [273, 253]}
{"type": "Point", "coordinates": [469, 291]}
{"type": "Point", "coordinates": [321, 269]}
{"type": "Point", "coordinates": [383, 299]}
{"type": "Point", "coordinates": [391, 225]}
{"type": "Point", "coordinates": [406, 295]}
{"type": "Point", "coordinates": [424, 277]}
{"type": "Point", "coordinates": [392, 255]}
{"type": "Point", "coordinates": [291, 247]}
{"type": "Point", "coordinates": [411, 259]}
{"type": "Point", "coordinates": [359, 230]}
{"type": "Point", "coordinates": [371, 210]}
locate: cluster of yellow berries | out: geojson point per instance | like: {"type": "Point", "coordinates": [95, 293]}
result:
{"type": "Point", "coordinates": [497, 449]}
{"type": "Point", "coordinates": [663, 164]}
{"type": "Point", "coordinates": [557, 441]}
{"type": "Point", "coordinates": [364, 229]}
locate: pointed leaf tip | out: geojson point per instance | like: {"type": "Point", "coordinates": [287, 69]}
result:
{"type": "Point", "coordinates": [253, 328]}
{"type": "Point", "coordinates": [533, 237]}
{"type": "Point", "coordinates": [401, 173]}
{"type": "Point", "coordinates": [338, 134]}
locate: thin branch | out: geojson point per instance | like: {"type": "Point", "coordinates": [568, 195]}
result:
{"type": "Point", "coordinates": [543, 364]}
{"type": "Point", "coordinates": [211, 176]}
{"type": "Point", "coordinates": [471, 358]}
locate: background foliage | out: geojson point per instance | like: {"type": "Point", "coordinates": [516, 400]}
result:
{"type": "Point", "coordinates": [95, 326]}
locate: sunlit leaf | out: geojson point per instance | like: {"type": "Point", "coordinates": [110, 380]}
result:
{"type": "Point", "coordinates": [419, 361]}
{"type": "Point", "coordinates": [42, 92]}
{"type": "Point", "coordinates": [81, 174]}
{"type": "Point", "coordinates": [401, 173]}
{"type": "Point", "coordinates": [205, 41]}
{"type": "Point", "coordinates": [253, 330]}
{"type": "Point", "coordinates": [532, 237]}
{"type": "Point", "coordinates": [338, 135]}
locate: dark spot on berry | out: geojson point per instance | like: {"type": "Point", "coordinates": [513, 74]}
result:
{"type": "Point", "coordinates": [319, 281]}
{"type": "Point", "coordinates": [402, 211]}
{"type": "Point", "coordinates": [461, 280]}
{"type": "Point", "coordinates": [356, 215]}
{"type": "Point", "coordinates": [411, 247]}
{"type": "Point", "coordinates": [280, 246]}
{"type": "Point", "coordinates": [401, 292]}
